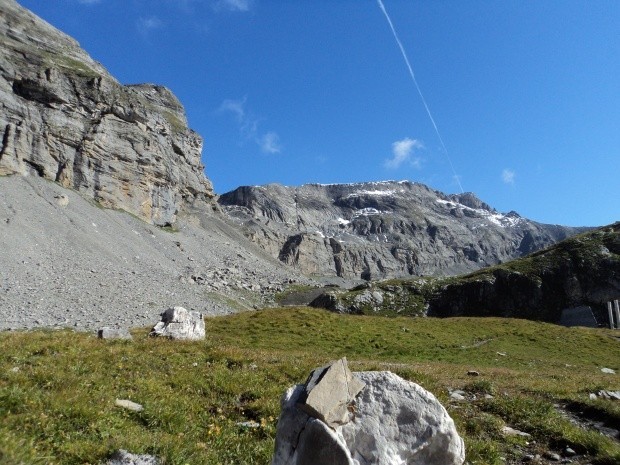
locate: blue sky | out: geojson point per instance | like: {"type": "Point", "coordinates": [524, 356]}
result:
{"type": "Point", "coordinates": [525, 94]}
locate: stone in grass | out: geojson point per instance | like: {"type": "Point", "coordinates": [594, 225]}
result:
{"type": "Point", "coordinates": [179, 323]}
{"type": "Point", "coordinates": [122, 457]}
{"type": "Point", "coordinates": [113, 333]}
{"type": "Point", "coordinates": [395, 422]}
{"type": "Point", "coordinates": [569, 452]}
{"type": "Point", "coordinates": [129, 405]}
{"type": "Point", "coordinates": [508, 431]}
{"type": "Point", "coordinates": [552, 456]}
{"type": "Point", "coordinates": [610, 395]}
{"type": "Point", "coordinates": [248, 424]}
{"type": "Point", "coordinates": [458, 395]}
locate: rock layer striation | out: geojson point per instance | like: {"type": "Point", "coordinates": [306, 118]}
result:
{"type": "Point", "coordinates": [65, 118]}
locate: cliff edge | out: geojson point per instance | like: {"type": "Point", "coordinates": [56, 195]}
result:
{"type": "Point", "coordinates": [65, 118]}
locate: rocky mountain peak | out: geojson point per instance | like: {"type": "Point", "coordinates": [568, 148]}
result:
{"type": "Point", "coordinates": [65, 118]}
{"type": "Point", "coordinates": [469, 199]}
{"type": "Point", "coordinates": [385, 229]}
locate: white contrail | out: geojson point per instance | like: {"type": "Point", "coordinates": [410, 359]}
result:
{"type": "Point", "coordinates": [411, 73]}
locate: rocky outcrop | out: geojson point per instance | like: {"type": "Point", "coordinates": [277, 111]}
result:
{"type": "Point", "coordinates": [580, 271]}
{"type": "Point", "coordinates": [383, 229]}
{"type": "Point", "coordinates": [113, 333]}
{"type": "Point", "coordinates": [65, 118]}
{"type": "Point", "coordinates": [179, 323]}
{"type": "Point", "coordinates": [390, 421]}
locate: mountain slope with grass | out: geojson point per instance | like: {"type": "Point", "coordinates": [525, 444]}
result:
{"type": "Point", "coordinates": [581, 270]}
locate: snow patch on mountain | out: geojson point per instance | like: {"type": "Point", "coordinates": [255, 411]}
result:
{"type": "Point", "coordinates": [499, 219]}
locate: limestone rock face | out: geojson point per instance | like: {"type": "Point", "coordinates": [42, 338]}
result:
{"type": "Point", "coordinates": [383, 229]}
{"type": "Point", "coordinates": [65, 118]}
{"type": "Point", "coordinates": [395, 421]}
{"type": "Point", "coordinates": [179, 323]}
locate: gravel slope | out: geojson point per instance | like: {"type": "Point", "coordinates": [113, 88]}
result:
{"type": "Point", "coordinates": [64, 262]}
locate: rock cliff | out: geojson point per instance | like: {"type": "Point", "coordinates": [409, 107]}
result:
{"type": "Point", "coordinates": [65, 118]}
{"type": "Point", "coordinates": [584, 270]}
{"type": "Point", "coordinates": [580, 271]}
{"type": "Point", "coordinates": [383, 229]}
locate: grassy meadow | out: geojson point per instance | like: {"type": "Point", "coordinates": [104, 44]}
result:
{"type": "Point", "coordinates": [58, 388]}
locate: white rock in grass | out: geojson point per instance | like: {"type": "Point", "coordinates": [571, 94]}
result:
{"type": "Point", "coordinates": [508, 431]}
{"type": "Point", "coordinates": [395, 422]}
{"type": "Point", "coordinates": [122, 457]}
{"type": "Point", "coordinates": [179, 323]}
{"type": "Point", "coordinates": [129, 405]}
{"type": "Point", "coordinates": [113, 333]}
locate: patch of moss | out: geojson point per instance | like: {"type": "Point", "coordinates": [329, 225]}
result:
{"type": "Point", "coordinates": [175, 122]}
{"type": "Point", "coordinates": [71, 64]}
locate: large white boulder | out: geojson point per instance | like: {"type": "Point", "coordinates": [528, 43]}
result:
{"type": "Point", "coordinates": [395, 422]}
{"type": "Point", "coordinates": [179, 323]}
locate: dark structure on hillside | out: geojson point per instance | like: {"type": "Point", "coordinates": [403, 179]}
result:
{"type": "Point", "coordinates": [578, 316]}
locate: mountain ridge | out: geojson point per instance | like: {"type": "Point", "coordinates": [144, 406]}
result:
{"type": "Point", "coordinates": [375, 230]}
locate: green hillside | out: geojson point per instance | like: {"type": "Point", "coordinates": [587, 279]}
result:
{"type": "Point", "coordinates": [58, 389]}
{"type": "Point", "coordinates": [582, 270]}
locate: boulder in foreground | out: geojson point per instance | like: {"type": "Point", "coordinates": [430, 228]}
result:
{"type": "Point", "coordinates": [394, 421]}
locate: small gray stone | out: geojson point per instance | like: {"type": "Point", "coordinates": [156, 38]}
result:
{"type": "Point", "coordinates": [62, 200]}
{"type": "Point", "coordinates": [248, 424]}
{"type": "Point", "coordinates": [552, 456]}
{"type": "Point", "coordinates": [129, 405]}
{"type": "Point", "coordinates": [508, 431]}
{"type": "Point", "coordinates": [569, 452]}
{"type": "Point", "coordinates": [611, 395]}
{"type": "Point", "coordinates": [328, 393]}
{"type": "Point", "coordinates": [122, 457]}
